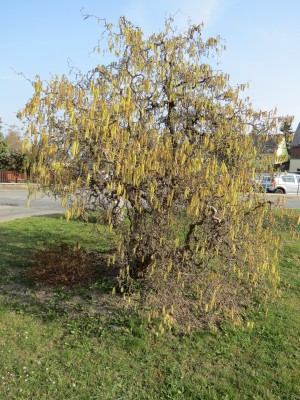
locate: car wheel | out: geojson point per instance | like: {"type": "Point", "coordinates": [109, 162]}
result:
{"type": "Point", "coordinates": [279, 191]}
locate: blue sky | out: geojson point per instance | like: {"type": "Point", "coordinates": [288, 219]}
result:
{"type": "Point", "coordinates": [262, 39]}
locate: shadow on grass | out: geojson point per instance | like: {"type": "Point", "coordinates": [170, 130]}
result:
{"type": "Point", "coordinates": [21, 239]}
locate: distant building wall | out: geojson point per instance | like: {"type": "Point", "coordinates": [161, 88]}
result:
{"type": "Point", "coordinates": [295, 152]}
{"type": "Point", "coordinates": [294, 165]}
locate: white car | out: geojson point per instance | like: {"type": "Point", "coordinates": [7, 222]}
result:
{"type": "Point", "coordinates": [285, 183]}
{"type": "Point", "coordinates": [264, 182]}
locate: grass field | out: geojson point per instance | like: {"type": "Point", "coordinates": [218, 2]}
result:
{"type": "Point", "coordinates": [77, 344]}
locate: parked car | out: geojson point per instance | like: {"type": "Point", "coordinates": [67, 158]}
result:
{"type": "Point", "coordinates": [264, 182]}
{"type": "Point", "coordinates": [285, 183]}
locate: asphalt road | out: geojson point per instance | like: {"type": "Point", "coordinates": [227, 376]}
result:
{"type": "Point", "coordinates": [13, 204]}
{"type": "Point", "coordinates": [291, 201]}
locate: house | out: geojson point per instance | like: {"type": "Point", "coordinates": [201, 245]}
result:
{"type": "Point", "coordinates": [295, 152]}
{"type": "Point", "coordinates": [274, 146]}
{"type": "Point", "coordinates": [281, 153]}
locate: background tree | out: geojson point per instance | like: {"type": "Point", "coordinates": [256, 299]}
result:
{"type": "Point", "coordinates": [287, 130]}
{"type": "Point", "coordinates": [4, 147]}
{"type": "Point", "coordinates": [12, 161]}
{"type": "Point", "coordinates": [158, 136]}
{"type": "Point", "coordinates": [11, 154]}
{"type": "Point", "coordinates": [14, 141]}
{"type": "Point", "coordinates": [1, 133]}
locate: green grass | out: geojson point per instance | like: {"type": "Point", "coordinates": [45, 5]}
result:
{"type": "Point", "coordinates": [61, 344]}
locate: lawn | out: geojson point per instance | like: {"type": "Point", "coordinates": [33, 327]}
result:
{"type": "Point", "coordinates": [80, 344]}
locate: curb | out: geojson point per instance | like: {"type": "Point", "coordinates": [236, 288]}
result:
{"type": "Point", "coordinates": [285, 196]}
{"type": "Point", "coordinates": [13, 186]}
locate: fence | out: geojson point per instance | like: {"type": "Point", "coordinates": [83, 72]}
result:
{"type": "Point", "coordinates": [11, 177]}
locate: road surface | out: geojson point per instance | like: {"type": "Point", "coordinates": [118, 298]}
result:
{"type": "Point", "coordinates": [13, 204]}
{"type": "Point", "coordinates": [291, 201]}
